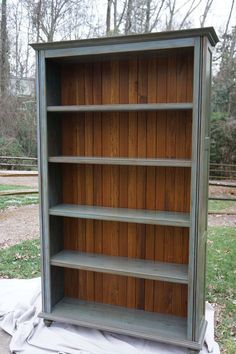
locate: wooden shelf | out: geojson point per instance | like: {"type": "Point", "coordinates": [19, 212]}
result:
{"type": "Point", "coordinates": [122, 214]}
{"type": "Point", "coordinates": [120, 161]}
{"type": "Point", "coordinates": [138, 268]}
{"type": "Point", "coordinates": [121, 107]}
{"type": "Point", "coordinates": [138, 323]}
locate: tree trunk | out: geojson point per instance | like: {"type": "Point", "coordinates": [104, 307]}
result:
{"type": "Point", "coordinates": [115, 17]}
{"type": "Point", "coordinates": [227, 27]}
{"type": "Point", "coordinates": [171, 9]}
{"type": "Point", "coordinates": [148, 14]}
{"type": "Point", "coordinates": [205, 12]}
{"type": "Point", "coordinates": [128, 17]}
{"type": "Point", "coordinates": [4, 69]}
{"type": "Point", "coordinates": [108, 21]}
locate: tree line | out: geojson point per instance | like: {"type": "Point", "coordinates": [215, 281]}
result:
{"type": "Point", "coordinates": [27, 21]}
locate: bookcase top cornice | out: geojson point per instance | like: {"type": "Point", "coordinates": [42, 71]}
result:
{"type": "Point", "coordinates": [208, 32]}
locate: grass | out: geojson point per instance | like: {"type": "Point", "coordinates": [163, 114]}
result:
{"type": "Point", "coordinates": [16, 200]}
{"type": "Point", "coordinates": [220, 205]}
{"type": "Point", "coordinates": [8, 187]}
{"type": "Point", "coordinates": [20, 200]}
{"type": "Point", "coordinates": [221, 284]}
{"type": "Point", "coordinates": [21, 260]}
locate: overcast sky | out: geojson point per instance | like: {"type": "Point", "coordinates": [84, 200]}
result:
{"type": "Point", "coordinates": [219, 14]}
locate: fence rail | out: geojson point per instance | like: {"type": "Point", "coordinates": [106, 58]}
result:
{"type": "Point", "coordinates": [222, 171]}
{"type": "Point", "coordinates": [12, 163]}
{"type": "Point", "coordinates": [217, 171]}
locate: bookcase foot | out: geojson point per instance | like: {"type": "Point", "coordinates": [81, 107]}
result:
{"type": "Point", "coordinates": [47, 323]}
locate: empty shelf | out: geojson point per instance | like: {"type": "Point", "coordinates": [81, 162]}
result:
{"type": "Point", "coordinates": [120, 161]}
{"type": "Point", "coordinates": [122, 214]}
{"type": "Point", "coordinates": [139, 268]}
{"type": "Point", "coordinates": [138, 323]}
{"type": "Point", "coordinates": [121, 107]}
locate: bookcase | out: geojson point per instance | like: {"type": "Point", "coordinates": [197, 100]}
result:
{"type": "Point", "coordinates": [123, 164]}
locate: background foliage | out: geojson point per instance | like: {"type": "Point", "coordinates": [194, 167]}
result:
{"type": "Point", "coordinates": [26, 21]}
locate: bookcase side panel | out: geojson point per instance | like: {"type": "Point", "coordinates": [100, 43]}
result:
{"type": "Point", "coordinates": [203, 185]}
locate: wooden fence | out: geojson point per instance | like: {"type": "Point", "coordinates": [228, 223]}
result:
{"type": "Point", "coordinates": [18, 163]}
{"type": "Point", "coordinates": [222, 171]}
{"type": "Point", "coordinates": [217, 171]}
{"type": "Point", "coordinates": [220, 174]}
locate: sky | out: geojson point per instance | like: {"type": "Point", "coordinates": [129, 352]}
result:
{"type": "Point", "coordinates": [219, 14]}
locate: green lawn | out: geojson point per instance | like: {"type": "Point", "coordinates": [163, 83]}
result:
{"type": "Point", "coordinates": [8, 187]}
{"type": "Point", "coordinates": [221, 284]}
{"type": "Point", "coordinates": [22, 261]}
{"type": "Point", "coordinates": [16, 200]}
{"type": "Point", "coordinates": [220, 205]}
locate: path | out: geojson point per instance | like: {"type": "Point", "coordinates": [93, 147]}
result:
{"type": "Point", "coordinates": [19, 181]}
{"type": "Point", "coordinates": [18, 224]}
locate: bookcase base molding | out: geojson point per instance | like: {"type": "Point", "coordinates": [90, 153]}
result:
{"type": "Point", "coordinates": [136, 323]}
{"type": "Point", "coordinates": [123, 154]}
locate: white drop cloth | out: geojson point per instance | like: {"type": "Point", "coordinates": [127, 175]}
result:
{"type": "Point", "coordinates": [20, 302]}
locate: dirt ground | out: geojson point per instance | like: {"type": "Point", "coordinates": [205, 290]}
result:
{"type": "Point", "coordinates": [217, 191]}
{"type": "Point", "coordinates": [18, 224]}
{"type": "Point", "coordinates": [21, 223]}
{"type": "Point", "coordinates": [20, 181]}
{"type": "Point", "coordinates": [222, 220]}
{"type": "Point", "coordinates": [226, 219]}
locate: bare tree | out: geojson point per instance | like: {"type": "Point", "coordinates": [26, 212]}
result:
{"type": "Point", "coordinates": [171, 8]}
{"type": "Point", "coordinates": [4, 65]}
{"type": "Point", "coordinates": [46, 16]}
{"type": "Point", "coordinates": [148, 15]}
{"type": "Point", "coordinates": [115, 16]}
{"type": "Point", "coordinates": [108, 18]}
{"type": "Point", "coordinates": [227, 27]}
{"type": "Point", "coordinates": [193, 6]}
{"type": "Point", "coordinates": [205, 12]}
{"type": "Point", "coordinates": [156, 14]}
{"type": "Point", "coordinates": [128, 21]}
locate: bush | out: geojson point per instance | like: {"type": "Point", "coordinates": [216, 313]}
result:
{"type": "Point", "coordinates": [223, 139]}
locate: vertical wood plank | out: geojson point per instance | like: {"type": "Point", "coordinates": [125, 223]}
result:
{"type": "Point", "coordinates": [151, 179]}
{"type": "Point", "coordinates": [141, 174]}
{"type": "Point", "coordinates": [108, 283]}
{"type": "Point", "coordinates": [98, 191]}
{"type": "Point", "coordinates": [161, 87]}
{"type": "Point", "coordinates": [89, 149]}
{"type": "Point", "coordinates": [170, 174]}
{"type": "Point", "coordinates": [132, 150]}
{"type": "Point", "coordinates": [80, 175]}
{"type": "Point", "coordinates": [123, 172]}
{"type": "Point", "coordinates": [114, 197]}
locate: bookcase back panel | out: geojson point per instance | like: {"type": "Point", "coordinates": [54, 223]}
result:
{"type": "Point", "coordinates": [153, 134]}
{"type": "Point", "coordinates": [153, 296]}
{"type": "Point", "coordinates": [160, 243]}
{"type": "Point", "coordinates": [158, 78]}
{"type": "Point", "coordinates": [149, 295]}
{"type": "Point", "coordinates": [135, 187]}
{"type": "Point", "coordinates": [165, 76]}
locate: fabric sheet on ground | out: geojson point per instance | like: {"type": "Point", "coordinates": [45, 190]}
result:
{"type": "Point", "coordinates": [20, 303]}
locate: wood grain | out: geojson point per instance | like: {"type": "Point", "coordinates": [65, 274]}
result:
{"type": "Point", "coordinates": [159, 79]}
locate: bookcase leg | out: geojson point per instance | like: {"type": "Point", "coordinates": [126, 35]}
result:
{"type": "Point", "coordinates": [47, 322]}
